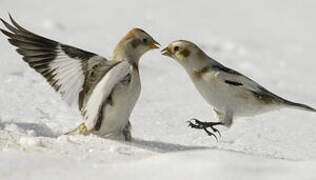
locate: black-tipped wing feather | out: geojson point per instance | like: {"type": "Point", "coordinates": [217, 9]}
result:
{"type": "Point", "coordinates": [66, 68]}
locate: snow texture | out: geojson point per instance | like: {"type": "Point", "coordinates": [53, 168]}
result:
{"type": "Point", "coordinates": [271, 41]}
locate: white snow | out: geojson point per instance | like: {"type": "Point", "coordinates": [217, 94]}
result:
{"type": "Point", "coordinates": [271, 41]}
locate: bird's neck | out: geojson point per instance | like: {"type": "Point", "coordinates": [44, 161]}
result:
{"type": "Point", "coordinates": [124, 54]}
{"type": "Point", "coordinates": [199, 64]}
{"type": "Point", "coordinates": [196, 63]}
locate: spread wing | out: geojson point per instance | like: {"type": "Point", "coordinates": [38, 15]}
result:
{"type": "Point", "coordinates": [64, 67]}
{"type": "Point", "coordinates": [234, 79]}
{"type": "Point", "coordinates": [101, 94]}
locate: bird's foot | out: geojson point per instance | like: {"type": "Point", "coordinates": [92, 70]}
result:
{"type": "Point", "coordinates": [81, 129]}
{"type": "Point", "coordinates": [197, 124]}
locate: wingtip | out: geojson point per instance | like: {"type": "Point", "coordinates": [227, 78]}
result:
{"type": "Point", "coordinates": [8, 34]}
{"type": "Point", "coordinates": [4, 23]}
{"type": "Point", "coordinates": [11, 18]}
{"type": "Point", "coordinates": [2, 20]}
{"type": "Point", "coordinates": [19, 27]}
{"type": "Point", "coordinates": [9, 14]}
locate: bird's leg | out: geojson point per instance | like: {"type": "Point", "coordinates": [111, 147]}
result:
{"type": "Point", "coordinates": [127, 132]}
{"type": "Point", "coordinates": [204, 125]}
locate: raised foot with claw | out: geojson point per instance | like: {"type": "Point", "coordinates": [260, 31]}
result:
{"type": "Point", "coordinates": [197, 124]}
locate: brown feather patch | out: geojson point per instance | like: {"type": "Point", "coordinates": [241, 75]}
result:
{"type": "Point", "coordinates": [135, 43]}
{"type": "Point", "coordinates": [241, 95]}
{"type": "Point", "coordinates": [266, 99]}
{"type": "Point", "coordinates": [185, 52]}
{"type": "Point", "coordinates": [201, 72]}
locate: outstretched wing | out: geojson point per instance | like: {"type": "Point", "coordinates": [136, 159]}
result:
{"type": "Point", "coordinates": [101, 94]}
{"type": "Point", "coordinates": [63, 66]}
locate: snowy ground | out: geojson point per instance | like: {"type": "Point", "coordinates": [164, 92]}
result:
{"type": "Point", "coordinates": [271, 41]}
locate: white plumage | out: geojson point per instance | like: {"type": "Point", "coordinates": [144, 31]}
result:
{"type": "Point", "coordinates": [231, 93]}
{"type": "Point", "coordinates": [70, 76]}
{"type": "Point", "coordinates": [103, 90]}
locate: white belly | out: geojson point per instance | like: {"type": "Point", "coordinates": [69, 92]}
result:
{"type": "Point", "coordinates": [116, 116]}
{"type": "Point", "coordinates": [224, 98]}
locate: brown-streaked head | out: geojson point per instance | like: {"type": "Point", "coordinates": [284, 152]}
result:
{"type": "Point", "coordinates": [181, 50]}
{"type": "Point", "coordinates": [189, 55]}
{"type": "Point", "coordinates": [134, 44]}
{"type": "Point", "coordinates": [142, 38]}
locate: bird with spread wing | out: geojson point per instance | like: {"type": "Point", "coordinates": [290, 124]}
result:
{"type": "Point", "coordinates": [106, 91]}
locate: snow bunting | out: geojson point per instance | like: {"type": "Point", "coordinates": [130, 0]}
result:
{"type": "Point", "coordinates": [229, 92]}
{"type": "Point", "coordinates": [105, 90]}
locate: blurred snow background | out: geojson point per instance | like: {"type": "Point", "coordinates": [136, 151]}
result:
{"type": "Point", "coordinates": [272, 41]}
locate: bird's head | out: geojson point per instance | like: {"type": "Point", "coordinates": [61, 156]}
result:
{"type": "Point", "coordinates": [134, 44]}
{"type": "Point", "coordinates": [185, 52]}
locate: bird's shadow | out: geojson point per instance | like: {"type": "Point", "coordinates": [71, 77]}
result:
{"type": "Point", "coordinates": [39, 129]}
{"type": "Point", "coordinates": [42, 130]}
{"type": "Point", "coordinates": [163, 147]}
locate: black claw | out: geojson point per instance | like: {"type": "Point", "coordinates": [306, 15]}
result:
{"type": "Point", "coordinates": [197, 124]}
{"type": "Point", "coordinates": [190, 124]}
{"type": "Point", "coordinates": [194, 125]}
{"type": "Point", "coordinates": [216, 131]}
{"type": "Point", "coordinates": [210, 134]}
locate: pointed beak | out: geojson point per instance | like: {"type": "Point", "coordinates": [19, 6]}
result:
{"type": "Point", "coordinates": [155, 45]}
{"type": "Point", "coordinates": [166, 52]}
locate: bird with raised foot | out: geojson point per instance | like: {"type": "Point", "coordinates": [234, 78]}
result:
{"type": "Point", "coordinates": [231, 93]}
{"type": "Point", "coordinates": [106, 91]}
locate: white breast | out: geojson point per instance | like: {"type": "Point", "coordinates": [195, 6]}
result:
{"type": "Point", "coordinates": [124, 98]}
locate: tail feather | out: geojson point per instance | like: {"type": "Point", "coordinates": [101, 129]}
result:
{"type": "Point", "coordinates": [299, 106]}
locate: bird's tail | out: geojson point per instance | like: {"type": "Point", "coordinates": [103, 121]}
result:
{"type": "Point", "coordinates": [300, 106]}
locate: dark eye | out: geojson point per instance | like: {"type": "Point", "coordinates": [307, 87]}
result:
{"type": "Point", "coordinates": [145, 40]}
{"type": "Point", "coordinates": [176, 48]}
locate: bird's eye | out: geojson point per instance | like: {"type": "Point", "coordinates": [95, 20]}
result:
{"type": "Point", "coordinates": [176, 48]}
{"type": "Point", "coordinates": [145, 40]}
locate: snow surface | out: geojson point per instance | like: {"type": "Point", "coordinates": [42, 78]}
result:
{"type": "Point", "coordinates": [272, 41]}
